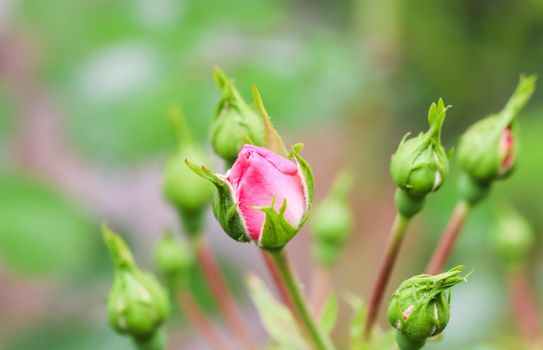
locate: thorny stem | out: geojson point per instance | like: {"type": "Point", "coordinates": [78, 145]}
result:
{"type": "Point", "coordinates": [199, 320]}
{"type": "Point", "coordinates": [448, 238]}
{"type": "Point", "coordinates": [397, 234]}
{"type": "Point", "coordinates": [320, 340]}
{"type": "Point", "coordinates": [221, 292]}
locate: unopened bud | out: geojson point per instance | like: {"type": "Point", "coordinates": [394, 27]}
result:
{"type": "Point", "coordinates": [513, 238]}
{"type": "Point", "coordinates": [487, 150]}
{"type": "Point", "coordinates": [187, 192]}
{"type": "Point", "coordinates": [420, 307]}
{"type": "Point", "coordinates": [332, 221]}
{"type": "Point", "coordinates": [235, 122]}
{"type": "Point", "coordinates": [173, 259]}
{"type": "Point", "coordinates": [420, 165]}
{"type": "Point", "coordinates": [137, 303]}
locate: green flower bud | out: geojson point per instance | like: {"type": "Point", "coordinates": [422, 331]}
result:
{"type": "Point", "coordinates": [420, 307]}
{"type": "Point", "coordinates": [235, 122]}
{"type": "Point", "coordinates": [173, 259]}
{"type": "Point", "coordinates": [513, 238]}
{"type": "Point", "coordinates": [188, 193]}
{"type": "Point", "coordinates": [487, 150]}
{"type": "Point", "coordinates": [137, 303]}
{"type": "Point", "coordinates": [332, 221]}
{"type": "Point", "coordinates": [420, 165]}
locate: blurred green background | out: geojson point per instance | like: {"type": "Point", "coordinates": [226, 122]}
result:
{"type": "Point", "coordinates": [84, 86]}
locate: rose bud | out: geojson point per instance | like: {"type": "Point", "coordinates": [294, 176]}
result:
{"type": "Point", "coordinates": [487, 150]}
{"type": "Point", "coordinates": [513, 238]}
{"type": "Point", "coordinates": [188, 193]}
{"type": "Point", "coordinates": [332, 221]}
{"type": "Point", "coordinates": [235, 122]}
{"type": "Point", "coordinates": [264, 198]}
{"type": "Point", "coordinates": [137, 303]}
{"type": "Point", "coordinates": [173, 259]}
{"type": "Point", "coordinates": [420, 307]}
{"type": "Point", "coordinates": [420, 165]}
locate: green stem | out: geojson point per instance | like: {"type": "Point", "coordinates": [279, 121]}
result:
{"type": "Point", "coordinates": [155, 342]}
{"type": "Point", "coordinates": [405, 343]}
{"type": "Point", "coordinates": [320, 340]}
{"type": "Point", "coordinates": [396, 237]}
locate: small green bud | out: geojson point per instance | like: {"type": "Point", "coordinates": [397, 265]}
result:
{"type": "Point", "coordinates": [513, 238]}
{"type": "Point", "coordinates": [235, 122]}
{"type": "Point", "coordinates": [173, 259]}
{"type": "Point", "coordinates": [420, 307]}
{"type": "Point", "coordinates": [487, 150]}
{"type": "Point", "coordinates": [137, 303]}
{"type": "Point", "coordinates": [332, 221]}
{"type": "Point", "coordinates": [188, 193]}
{"type": "Point", "coordinates": [420, 165]}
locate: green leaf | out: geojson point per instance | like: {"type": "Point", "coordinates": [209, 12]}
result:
{"type": "Point", "coordinates": [41, 232]}
{"type": "Point", "coordinates": [277, 319]}
{"type": "Point", "coordinates": [329, 313]}
{"type": "Point", "coordinates": [356, 336]}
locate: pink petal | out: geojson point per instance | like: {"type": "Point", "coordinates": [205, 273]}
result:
{"type": "Point", "coordinates": [257, 177]}
{"type": "Point", "coordinates": [508, 150]}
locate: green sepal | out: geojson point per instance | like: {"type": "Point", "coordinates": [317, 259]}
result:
{"type": "Point", "coordinates": [272, 139]}
{"type": "Point", "coordinates": [224, 205]}
{"type": "Point", "coordinates": [276, 231]}
{"type": "Point", "coordinates": [307, 175]}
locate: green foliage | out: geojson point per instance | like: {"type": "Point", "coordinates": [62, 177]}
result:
{"type": "Point", "coordinates": [41, 232]}
{"type": "Point", "coordinates": [277, 319]}
{"type": "Point", "coordinates": [329, 314]}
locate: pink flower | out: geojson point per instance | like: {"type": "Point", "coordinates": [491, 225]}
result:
{"type": "Point", "coordinates": [507, 149]}
{"type": "Point", "coordinates": [257, 178]}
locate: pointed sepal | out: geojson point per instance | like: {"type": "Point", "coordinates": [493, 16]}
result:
{"type": "Point", "coordinates": [224, 205]}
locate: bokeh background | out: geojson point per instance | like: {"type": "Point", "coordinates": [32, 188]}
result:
{"type": "Point", "coordinates": [84, 89]}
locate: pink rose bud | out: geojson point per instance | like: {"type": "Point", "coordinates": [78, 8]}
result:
{"type": "Point", "coordinates": [265, 197]}
{"type": "Point", "coordinates": [261, 178]}
{"type": "Point", "coordinates": [507, 150]}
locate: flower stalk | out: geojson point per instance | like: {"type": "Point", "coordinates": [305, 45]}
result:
{"type": "Point", "coordinates": [307, 322]}
{"type": "Point", "coordinates": [221, 292]}
{"type": "Point", "coordinates": [449, 238]}
{"type": "Point", "coordinates": [524, 307]}
{"type": "Point", "coordinates": [199, 320]}
{"type": "Point", "coordinates": [397, 234]}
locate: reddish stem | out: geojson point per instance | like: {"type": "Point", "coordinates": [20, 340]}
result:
{"type": "Point", "coordinates": [199, 320]}
{"type": "Point", "coordinates": [278, 281]}
{"type": "Point", "coordinates": [524, 306]}
{"type": "Point", "coordinates": [448, 238]}
{"type": "Point", "coordinates": [320, 285]}
{"type": "Point", "coordinates": [393, 247]}
{"type": "Point", "coordinates": [222, 293]}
